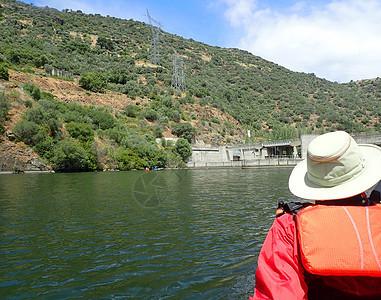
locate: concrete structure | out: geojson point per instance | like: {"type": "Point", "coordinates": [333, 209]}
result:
{"type": "Point", "coordinates": [305, 141]}
{"type": "Point", "coordinates": [368, 138]}
{"type": "Point", "coordinates": [271, 153]}
{"type": "Point", "coordinates": [246, 163]}
{"type": "Point", "coordinates": [281, 148]}
{"type": "Point", "coordinates": [274, 153]}
{"type": "Point", "coordinates": [210, 154]}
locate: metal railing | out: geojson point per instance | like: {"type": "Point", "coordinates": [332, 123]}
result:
{"type": "Point", "coordinates": [274, 161]}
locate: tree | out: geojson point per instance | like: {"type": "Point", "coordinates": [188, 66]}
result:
{"type": "Point", "coordinates": [70, 156]}
{"type": "Point", "coordinates": [105, 43]}
{"type": "Point", "coordinates": [101, 119]}
{"type": "Point", "coordinates": [26, 131]}
{"type": "Point", "coordinates": [94, 81]}
{"type": "Point", "coordinates": [184, 130]}
{"type": "Point", "coordinates": [183, 148]}
{"type": "Point", "coordinates": [161, 159]}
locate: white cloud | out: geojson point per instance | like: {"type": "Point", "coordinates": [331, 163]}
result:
{"type": "Point", "coordinates": [240, 11]}
{"type": "Point", "coordinates": [339, 41]}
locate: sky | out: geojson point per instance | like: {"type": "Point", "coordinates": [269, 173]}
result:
{"type": "Point", "coordinates": [338, 40]}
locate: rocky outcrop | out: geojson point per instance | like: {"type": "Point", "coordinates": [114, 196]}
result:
{"type": "Point", "coordinates": [17, 157]}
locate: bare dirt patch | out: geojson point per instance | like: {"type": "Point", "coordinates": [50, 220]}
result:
{"type": "Point", "coordinates": [70, 91]}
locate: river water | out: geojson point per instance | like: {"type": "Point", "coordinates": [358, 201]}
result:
{"type": "Point", "coordinates": [171, 234]}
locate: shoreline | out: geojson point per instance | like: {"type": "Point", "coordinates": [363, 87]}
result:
{"type": "Point", "coordinates": [197, 166]}
{"type": "Point", "coordinates": [25, 172]}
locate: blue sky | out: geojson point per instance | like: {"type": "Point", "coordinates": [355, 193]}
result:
{"type": "Point", "coordinates": [338, 40]}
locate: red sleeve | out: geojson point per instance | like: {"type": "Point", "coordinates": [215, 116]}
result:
{"type": "Point", "coordinates": [280, 272]}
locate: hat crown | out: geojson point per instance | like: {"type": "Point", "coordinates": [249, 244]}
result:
{"type": "Point", "coordinates": [333, 158]}
{"type": "Point", "coordinates": [329, 146]}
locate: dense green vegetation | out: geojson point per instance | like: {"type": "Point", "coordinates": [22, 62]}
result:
{"type": "Point", "coordinates": [5, 104]}
{"type": "Point", "coordinates": [76, 147]}
{"type": "Point", "coordinates": [110, 53]}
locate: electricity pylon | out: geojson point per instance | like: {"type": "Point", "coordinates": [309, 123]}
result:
{"type": "Point", "coordinates": [178, 78]}
{"type": "Point", "coordinates": [156, 31]}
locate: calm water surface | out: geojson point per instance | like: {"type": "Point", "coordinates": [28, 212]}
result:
{"type": "Point", "coordinates": [172, 234]}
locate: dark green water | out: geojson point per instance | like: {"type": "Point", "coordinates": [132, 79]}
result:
{"type": "Point", "coordinates": [172, 234]}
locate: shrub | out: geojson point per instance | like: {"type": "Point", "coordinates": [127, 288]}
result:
{"type": "Point", "coordinates": [73, 116]}
{"type": "Point", "coordinates": [26, 130]}
{"type": "Point", "coordinates": [161, 159]}
{"type": "Point", "coordinates": [2, 128]}
{"type": "Point", "coordinates": [183, 148]}
{"type": "Point", "coordinates": [150, 114]}
{"type": "Point", "coordinates": [32, 90]}
{"type": "Point", "coordinates": [158, 132]}
{"type": "Point", "coordinates": [36, 115]}
{"type": "Point", "coordinates": [163, 120]}
{"type": "Point", "coordinates": [125, 159]}
{"type": "Point", "coordinates": [4, 73]}
{"type": "Point", "coordinates": [94, 81]}
{"type": "Point", "coordinates": [40, 61]}
{"type": "Point", "coordinates": [28, 103]}
{"type": "Point", "coordinates": [163, 142]}
{"type": "Point", "coordinates": [80, 131]}
{"type": "Point", "coordinates": [175, 161]}
{"type": "Point", "coordinates": [47, 96]}
{"type": "Point", "coordinates": [174, 115]}
{"type": "Point", "coordinates": [128, 159]}
{"type": "Point", "coordinates": [42, 116]}
{"type": "Point", "coordinates": [105, 43]}
{"type": "Point", "coordinates": [55, 126]}
{"type": "Point", "coordinates": [70, 156]}
{"type": "Point", "coordinates": [5, 105]}
{"type": "Point", "coordinates": [44, 142]}
{"type": "Point", "coordinates": [131, 110]}
{"type": "Point", "coordinates": [101, 119]}
{"type": "Point", "coordinates": [214, 120]}
{"type": "Point", "coordinates": [168, 102]}
{"type": "Point", "coordinates": [184, 130]}
{"type": "Point", "coordinates": [115, 134]}
{"type": "Point", "coordinates": [146, 150]}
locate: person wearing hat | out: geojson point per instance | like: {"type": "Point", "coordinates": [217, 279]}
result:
{"type": "Point", "coordinates": [330, 249]}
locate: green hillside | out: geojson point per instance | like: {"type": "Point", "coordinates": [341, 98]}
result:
{"type": "Point", "coordinates": [106, 53]}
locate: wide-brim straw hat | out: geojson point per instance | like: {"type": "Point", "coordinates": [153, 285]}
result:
{"type": "Point", "coordinates": [336, 167]}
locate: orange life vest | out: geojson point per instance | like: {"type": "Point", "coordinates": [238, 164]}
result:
{"type": "Point", "coordinates": [340, 240]}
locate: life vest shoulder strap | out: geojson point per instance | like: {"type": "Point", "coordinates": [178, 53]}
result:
{"type": "Point", "coordinates": [290, 208]}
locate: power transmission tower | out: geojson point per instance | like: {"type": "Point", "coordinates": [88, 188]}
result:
{"type": "Point", "coordinates": [156, 31]}
{"type": "Point", "coordinates": [178, 78]}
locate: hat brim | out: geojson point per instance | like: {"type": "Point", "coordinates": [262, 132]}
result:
{"type": "Point", "coordinates": [301, 187]}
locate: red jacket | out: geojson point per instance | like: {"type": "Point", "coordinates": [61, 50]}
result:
{"type": "Point", "coordinates": [281, 275]}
